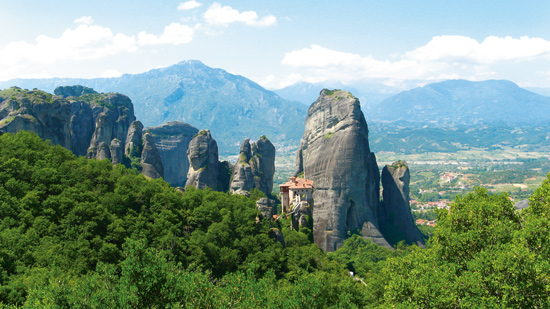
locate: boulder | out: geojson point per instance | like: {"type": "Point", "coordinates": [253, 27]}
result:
{"type": "Point", "coordinates": [334, 152]}
{"type": "Point", "coordinates": [267, 207]}
{"type": "Point", "coordinates": [151, 163]}
{"type": "Point", "coordinates": [521, 204]}
{"type": "Point", "coordinates": [172, 140]}
{"type": "Point", "coordinates": [394, 214]}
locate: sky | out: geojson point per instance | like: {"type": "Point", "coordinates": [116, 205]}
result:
{"type": "Point", "coordinates": [279, 43]}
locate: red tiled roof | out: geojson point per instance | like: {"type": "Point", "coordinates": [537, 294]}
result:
{"type": "Point", "coordinates": [298, 183]}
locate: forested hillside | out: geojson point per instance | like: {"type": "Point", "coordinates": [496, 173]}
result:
{"type": "Point", "coordinates": [83, 233]}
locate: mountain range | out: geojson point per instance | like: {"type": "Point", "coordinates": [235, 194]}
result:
{"type": "Point", "coordinates": [465, 103]}
{"type": "Point", "coordinates": [369, 93]}
{"type": "Point", "coordinates": [231, 106]}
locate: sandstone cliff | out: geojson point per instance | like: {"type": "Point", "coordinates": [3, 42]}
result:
{"type": "Point", "coordinates": [394, 213]}
{"type": "Point", "coordinates": [334, 152]}
{"type": "Point", "coordinates": [204, 167]}
{"type": "Point", "coordinates": [172, 141]}
{"type": "Point", "coordinates": [255, 167]}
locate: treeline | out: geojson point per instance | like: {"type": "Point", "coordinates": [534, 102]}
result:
{"type": "Point", "coordinates": [77, 233]}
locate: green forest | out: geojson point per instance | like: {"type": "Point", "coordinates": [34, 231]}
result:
{"type": "Point", "coordinates": [79, 233]}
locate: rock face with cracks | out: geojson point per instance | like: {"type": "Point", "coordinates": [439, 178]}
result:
{"type": "Point", "coordinates": [334, 152]}
{"type": "Point", "coordinates": [394, 213]}
{"type": "Point", "coordinates": [151, 163]}
{"type": "Point", "coordinates": [204, 167]}
{"type": "Point", "coordinates": [78, 123]}
{"type": "Point", "coordinates": [172, 140]}
{"type": "Point", "coordinates": [95, 125]}
{"type": "Point", "coordinates": [255, 167]}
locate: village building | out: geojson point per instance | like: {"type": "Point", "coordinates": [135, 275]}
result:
{"type": "Point", "coordinates": [295, 191]}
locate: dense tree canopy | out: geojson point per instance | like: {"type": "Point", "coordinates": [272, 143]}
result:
{"type": "Point", "coordinates": [83, 233]}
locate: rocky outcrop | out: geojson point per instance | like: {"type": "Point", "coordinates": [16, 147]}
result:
{"type": "Point", "coordinates": [172, 141]}
{"type": "Point", "coordinates": [151, 163]}
{"type": "Point", "coordinates": [73, 91]}
{"type": "Point", "coordinates": [117, 151]}
{"type": "Point", "coordinates": [277, 235]}
{"type": "Point", "coordinates": [204, 167]}
{"type": "Point", "coordinates": [102, 135]}
{"type": "Point", "coordinates": [518, 205]}
{"type": "Point", "coordinates": [103, 152]}
{"type": "Point", "coordinates": [302, 215]}
{"type": "Point", "coordinates": [134, 144]}
{"type": "Point", "coordinates": [394, 214]}
{"type": "Point", "coordinates": [265, 152]}
{"type": "Point", "coordinates": [81, 127]}
{"type": "Point", "coordinates": [334, 152]}
{"type": "Point", "coordinates": [267, 207]}
{"type": "Point", "coordinates": [255, 167]}
{"type": "Point", "coordinates": [80, 124]}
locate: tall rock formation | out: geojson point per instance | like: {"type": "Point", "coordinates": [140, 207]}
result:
{"type": "Point", "coordinates": [172, 140]}
{"type": "Point", "coordinates": [79, 124]}
{"type": "Point", "coordinates": [204, 167]}
{"type": "Point", "coordinates": [151, 163]}
{"type": "Point", "coordinates": [102, 135]}
{"type": "Point", "coordinates": [255, 167]}
{"type": "Point", "coordinates": [394, 214]}
{"type": "Point", "coordinates": [117, 151]}
{"type": "Point", "coordinates": [134, 143]}
{"type": "Point", "coordinates": [334, 152]}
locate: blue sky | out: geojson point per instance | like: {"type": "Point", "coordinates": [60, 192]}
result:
{"type": "Point", "coordinates": [277, 43]}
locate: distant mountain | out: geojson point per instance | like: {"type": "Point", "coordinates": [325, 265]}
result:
{"type": "Point", "coordinates": [465, 102]}
{"type": "Point", "coordinates": [539, 90]}
{"type": "Point", "coordinates": [368, 93]}
{"type": "Point", "coordinates": [306, 93]}
{"type": "Point", "coordinates": [231, 106]}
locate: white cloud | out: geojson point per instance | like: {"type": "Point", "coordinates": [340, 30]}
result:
{"type": "Point", "coordinates": [492, 49]}
{"type": "Point", "coordinates": [175, 34]}
{"type": "Point", "coordinates": [84, 42]}
{"type": "Point", "coordinates": [85, 20]}
{"type": "Point", "coordinates": [225, 15]}
{"type": "Point", "coordinates": [444, 57]}
{"type": "Point", "coordinates": [189, 5]}
{"type": "Point", "coordinates": [111, 73]}
{"type": "Point", "coordinates": [318, 56]}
